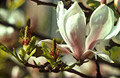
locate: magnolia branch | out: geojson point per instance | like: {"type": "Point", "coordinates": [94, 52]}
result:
{"type": "Point", "coordinates": [87, 13]}
{"type": "Point", "coordinates": [42, 68]}
{"type": "Point", "coordinates": [41, 36]}
{"type": "Point", "coordinates": [44, 3]}
{"type": "Point", "coordinates": [98, 75]}
{"type": "Point", "coordinates": [112, 2]}
{"type": "Point", "coordinates": [78, 73]}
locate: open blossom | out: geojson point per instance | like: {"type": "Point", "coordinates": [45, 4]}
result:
{"type": "Point", "coordinates": [72, 27]}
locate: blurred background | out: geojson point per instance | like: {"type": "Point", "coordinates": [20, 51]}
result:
{"type": "Point", "coordinates": [13, 16]}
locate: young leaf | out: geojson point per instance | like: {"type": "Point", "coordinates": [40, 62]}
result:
{"type": "Point", "coordinates": [22, 53]}
{"type": "Point", "coordinates": [46, 54]}
{"type": "Point", "coordinates": [21, 33]}
{"type": "Point", "coordinates": [115, 54]}
{"type": "Point", "coordinates": [93, 4]}
{"type": "Point", "coordinates": [31, 54]}
{"type": "Point", "coordinates": [15, 53]}
{"type": "Point", "coordinates": [4, 48]}
{"type": "Point", "coordinates": [31, 44]}
{"type": "Point", "coordinates": [13, 4]}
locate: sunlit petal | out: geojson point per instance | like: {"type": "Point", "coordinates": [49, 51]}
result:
{"type": "Point", "coordinates": [76, 30]}
{"type": "Point", "coordinates": [72, 27]}
{"type": "Point", "coordinates": [101, 24]}
{"type": "Point", "coordinates": [115, 30]}
{"type": "Point", "coordinates": [104, 56]}
{"type": "Point", "coordinates": [60, 10]}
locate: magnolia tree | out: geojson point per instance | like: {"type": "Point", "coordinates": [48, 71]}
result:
{"type": "Point", "coordinates": [82, 30]}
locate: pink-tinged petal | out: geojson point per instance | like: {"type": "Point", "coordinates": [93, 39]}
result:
{"type": "Point", "coordinates": [49, 44]}
{"type": "Point", "coordinates": [87, 54]}
{"type": "Point", "coordinates": [76, 30]}
{"type": "Point", "coordinates": [101, 24]}
{"type": "Point", "coordinates": [72, 27]}
{"type": "Point", "coordinates": [115, 30]}
{"type": "Point", "coordinates": [65, 46]}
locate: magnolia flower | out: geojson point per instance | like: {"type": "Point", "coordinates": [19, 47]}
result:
{"type": "Point", "coordinates": [117, 5]}
{"type": "Point", "coordinates": [72, 27]}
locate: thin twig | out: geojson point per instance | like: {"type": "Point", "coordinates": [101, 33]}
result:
{"type": "Point", "coordinates": [9, 25]}
{"type": "Point", "coordinates": [42, 69]}
{"type": "Point", "coordinates": [116, 65]}
{"type": "Point", "coordinates": [44, 3]}
{"type": "Point", "coordinates": [110, 3]}
{"type": "Point", "coordinates": [98, 75]}
{"type": "Point", "coordinates": [78, 73]}
{"type": "Point", "coordinates": [83, 7]}
{"type": "Point", "coordinates": [40, 35]}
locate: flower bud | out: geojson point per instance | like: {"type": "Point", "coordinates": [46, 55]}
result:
{"type": "Point", "coordinates": [117, 5]}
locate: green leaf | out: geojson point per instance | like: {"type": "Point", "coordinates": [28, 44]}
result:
{"type": "Point", "coordinates": [14, 4]}
{"type": "Point", "coordinates": [16, 56]}
{"type": "Point", "coordinates": [31, 44]}
{"type": "Point", "coordinates": [115, 54]}
{"type": "Point", "coordinates": [93, 4]}
{"type": "Point", "coordinates": [33, 52]}
{"type": "Point", "coordinates": [46, 54]}
{"type": "Point", "coordinates": [59, 58]}
{"type": "Point", "coordinates": [5, 49]}
{"type": "Point", "coordinates": [15, 53]}
{"type": "Point", "coordinates": [21, 33]}
{"type": "Point", "coordinates": [22, 53]}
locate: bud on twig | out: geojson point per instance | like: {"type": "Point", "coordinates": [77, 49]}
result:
{"type": "Point", "coordinates": [26, 34]}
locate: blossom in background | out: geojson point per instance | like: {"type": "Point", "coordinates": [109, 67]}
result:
{"type": "Point", "coordinates": [117, 5]}
{"type": "Point", "coordinates": [72, 27]}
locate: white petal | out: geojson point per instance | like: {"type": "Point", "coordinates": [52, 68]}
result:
{"type": "Point", "coordinates": [49, 44]}
{"type": "Point", "coordinates": [68, 59]}
{"type": "Point", "coordinates": [101, 45]}
{"type": "Point", "coordinates": [65, 46]}
{"type": "Point", "coordinates": [60, 20]}
{"type": "Point", "coordinates": [60, 10]}
{"type": "Point", "coordinates": [72, 28]}
{"type": "Point", "coordinates": [114, 31]}
{"type": "Point", "coordinates": [76, 30]}
{"type": "Point", "coordinates": [101, 24]}
{"type": "Point", "coordinates": [104, 57]}
{"type": "Point", "coordinates": [47, 41]}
